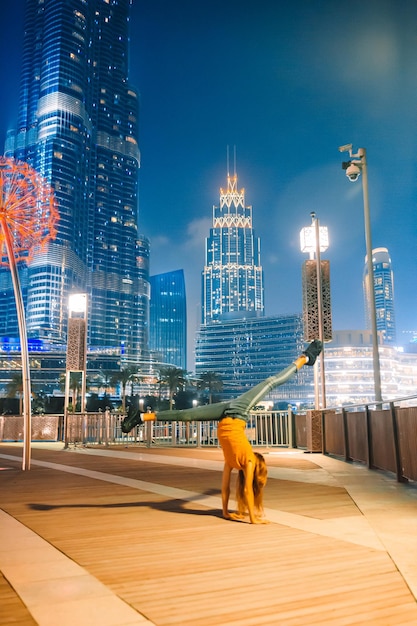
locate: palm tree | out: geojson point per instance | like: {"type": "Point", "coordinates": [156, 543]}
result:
{"type": "Point", "coordinates": [15, 388]}
{"type": "Point", "coordinates": [174, 378]}
{"type": "Point", "coordinates": [122, 377]}
{"type": "Point", "coordinates": [75, 385]}
{"type": "Point", "coordinates": [211, 382]}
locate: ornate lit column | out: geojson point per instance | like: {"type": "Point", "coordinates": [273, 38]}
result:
{"type": "Point", "coordinates": [76, 361]}
{"type": "Point", "coordinates": [317, 317]}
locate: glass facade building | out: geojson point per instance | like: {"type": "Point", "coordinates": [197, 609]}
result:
{"type": "Point", "coordinates": [168, 319]}
{"type": "Point", "coordinates": [78, 127]}
{"type": "Point", "coordinates": [245, 352]}
{"type": "Point", "coordinates": [232, 279]}
{"type": "Point", "coordinates": [384, 295]}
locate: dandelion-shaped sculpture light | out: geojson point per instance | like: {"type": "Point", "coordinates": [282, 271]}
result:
{"type": "Point", "coordinates": [28, 219]}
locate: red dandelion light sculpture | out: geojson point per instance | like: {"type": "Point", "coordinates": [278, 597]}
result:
{"type": "Point", "coordinates": [28, 211]}
{"type": "Point", "coordinates": [28, 219]}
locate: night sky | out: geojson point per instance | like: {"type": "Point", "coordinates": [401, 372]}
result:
{"type": "Point", "coordinates": [286, 83]}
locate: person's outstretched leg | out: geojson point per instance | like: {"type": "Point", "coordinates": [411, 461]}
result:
{"type": "Point", "coordinates": [239, 407]}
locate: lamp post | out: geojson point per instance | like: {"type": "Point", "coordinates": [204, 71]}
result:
{"type": "Point", "coordinates": [76, 350]}
{"type": "Point", "coordinates": [354, 168]}
{"type": "Point", "coordinates": [317, 323]}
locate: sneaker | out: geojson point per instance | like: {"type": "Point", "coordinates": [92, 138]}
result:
{"type": "Point", "coordinates": [130, 421]}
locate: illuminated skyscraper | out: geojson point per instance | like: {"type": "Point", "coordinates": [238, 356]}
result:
{"type": "Point", "coordinates": [78, 127]}
{"type": "Point", "coordinates": [245, 352]}
{"type": "Point", "coordinates": [232, 279]}
{"type": "Point", "coordinates": [235, 340]}
{"type": "Point", "coordinates": [384, 294]}
{"type": "Point", "coordinates": [168, 319]}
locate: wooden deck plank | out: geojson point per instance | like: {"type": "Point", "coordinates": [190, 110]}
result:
{"type": "Point", "coordinates": [179, 562]}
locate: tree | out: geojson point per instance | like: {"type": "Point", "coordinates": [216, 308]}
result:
{"type": "Point", "coordinates": [15, 388]}
{"type": "Point", "coordinates": [174, 378]}
{"type": "Point", "coordinates": [75, 385]}
{"type": "Point", "coordinates": [105, 380]}
{"type": "Point", "coordinates": [211, 382]}
{"type": "Point", "coordinates": [122, 377]}
{"type": "Point", "coordinates": [28, 219]}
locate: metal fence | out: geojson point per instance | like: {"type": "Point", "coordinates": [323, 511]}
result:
{"type": "Point", "coordinates": [44, 427]}
{"type": "Point", "coordinates": [263, 429]}
{"type": "Point", "coordinates": [267, 429]}
{"type": "Point", "coordinates": [382, 436]}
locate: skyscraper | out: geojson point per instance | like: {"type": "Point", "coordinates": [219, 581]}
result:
{"type": "Point", "coordinates": [383, 293]}
{"type": "Point", "coordinates": [235, 340]}
{"type": "Point", "coordinates": [232, 279]}
{"type": "Point", "coordinates": [245, 352]}
{"type": "Point", "coordinates": [168, 319]}
{"type": "Point", "coordinates": [78, 127]}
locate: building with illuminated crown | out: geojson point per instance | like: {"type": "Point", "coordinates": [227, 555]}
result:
{"type": "Point", "coordinates": [235, 340]}
{"type": "Point", "coordinates": [232, 278]}
{"type": "Point", "coordinates": [78, 127]}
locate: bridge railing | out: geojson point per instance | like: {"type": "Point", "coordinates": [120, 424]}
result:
{"type": "Point", "coordinates": [383, 436]}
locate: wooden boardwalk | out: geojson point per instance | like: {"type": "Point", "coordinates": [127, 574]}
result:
{"type": "Point", "coordinates": [140, 532]}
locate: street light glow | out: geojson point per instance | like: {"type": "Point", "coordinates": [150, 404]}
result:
{"type": "Point", "coordinates": [308, 239]}
{"type": "Point", "coordinates": [77, 303]}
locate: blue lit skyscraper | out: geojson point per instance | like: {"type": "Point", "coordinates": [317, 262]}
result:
{"type": "Point", "coordinates": [232, 279]}
{"type": "Point", "coordinates": [384, 294]}
{"type": "Point", "coordinates": [168, 318]}
{"type": "Point", "coordinates": [245, 352]}
{"type": "Point", "coordinates": [78, 127]}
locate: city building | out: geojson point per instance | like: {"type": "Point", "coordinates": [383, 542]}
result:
{"type": "Point", "coordinates": [78, 127]}
{"type": "Point", "coordinates": [384, 295]}
{"type": "Point", "coordinates": [232, 279]}
{"type": "Point", "coordinates": [349, 370]}
{"type": "Point", "coordinates": [235, 340]}
{"type": "Point", "coordinates": [245, 352]}
{"type": "Point", "coordinates": [168, 319]}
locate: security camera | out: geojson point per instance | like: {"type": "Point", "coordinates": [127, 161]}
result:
{"type": "Point", "coordinates": [346, 148]}
{"type": "Point", "coordinates": [353, 172]}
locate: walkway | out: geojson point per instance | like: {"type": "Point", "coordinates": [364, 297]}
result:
{"type": "Point", "coordinates": [116, 537]}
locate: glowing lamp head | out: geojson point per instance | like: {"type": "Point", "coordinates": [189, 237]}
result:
{"type": "Point", "coordinates": [308, 239]}
{"type": "Point", "coordinates": [77, 303]}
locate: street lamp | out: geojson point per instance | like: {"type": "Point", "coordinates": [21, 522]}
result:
{"type": "Point", "coordinates": [354, 168]}
{"type": "Point", "coordinates": [76, 361]}
{"type": "Point", "coordinates": [316, 295]}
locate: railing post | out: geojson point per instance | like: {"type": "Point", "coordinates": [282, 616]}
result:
{"type": "Point", "coordinates": [290, 427]}
{"type": "Point", "coordinates": [106, 426]}
{"type": "Point", "coordinates": [369, 436]}
{"type": "Point", "coordinates": [396, 442]}
{"type": "Point", "coordinates": [149, 429]}
{"type": "Point", "coordinates": [174, 433]}
{"type": "Point", "coordinates": [323, 432]}
{"type": "Point", "coordinates": [345, 435]}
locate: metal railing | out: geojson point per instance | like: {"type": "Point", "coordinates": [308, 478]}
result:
{"type": "Point", "coordinates": [267, 429]}
{"type": "Point", "coordinates": [381, 435]}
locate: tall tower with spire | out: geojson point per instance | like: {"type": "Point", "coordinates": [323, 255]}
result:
{"type": "Point", "coordinates": [232, 279]}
